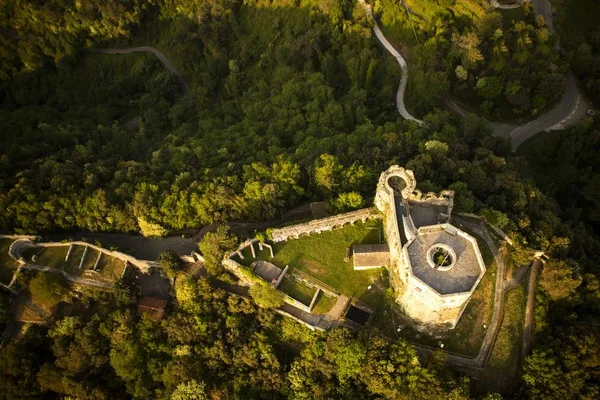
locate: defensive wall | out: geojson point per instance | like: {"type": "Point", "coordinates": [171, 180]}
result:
{"type": "Point", "coordinates": [323, 224]}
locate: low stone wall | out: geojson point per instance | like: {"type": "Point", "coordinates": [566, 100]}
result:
{"type": "Point", "coordinates": [324, 224]}
{"type": "Point", "coordinates": [296, 303]}
{"type": "Point", "coordinates": [311, 282]}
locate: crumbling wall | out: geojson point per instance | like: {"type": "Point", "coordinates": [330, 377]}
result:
{"type": "Point", "coordinates": [322, 225]}
{"type": "Point", "coordinates": [20, 245]}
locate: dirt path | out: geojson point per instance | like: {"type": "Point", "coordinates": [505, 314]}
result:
{"type": "Point", "coordinates": [403, 66]}
{"type": "Point", "coordinates": [527, 326]}
{"type": "Point", "coordinates": [147, 49]}
{"type": "Point", "coordinates": [340, 305]}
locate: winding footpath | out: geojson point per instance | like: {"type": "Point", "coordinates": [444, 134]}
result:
{"type": "Point", "coordinates": [147, 49]}
{"type": "Point", "coordinates": [403, 66]}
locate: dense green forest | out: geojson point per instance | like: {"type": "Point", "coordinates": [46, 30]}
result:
{"type": "Point", "coordinates": [212, 346]}
{"type": "Point", "coordinates": [291, 101]}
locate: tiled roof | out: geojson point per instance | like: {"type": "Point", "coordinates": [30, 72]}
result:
{"type": "Point", "coordinates": [369, 255]}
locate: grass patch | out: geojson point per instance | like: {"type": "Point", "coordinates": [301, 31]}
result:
{"type": "Point", "coordinates": [466, 338]}
{"type": "Point", "coordinates": [8, 266]}
{"type": "Point", "coordinates": [109, 269]}
{"type": "Point", "coordinates": [297, 290]}
{"type": "Point", "coordinates": [322, 256]}
{"type": "Point", "coordinates": [502, 370]}
{"type": "Point", "coordinates": [323, 304]}
{"type": "Point", "coordinates": [508, 344]}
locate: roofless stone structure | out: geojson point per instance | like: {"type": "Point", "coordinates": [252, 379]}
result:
{"type": "Point", "coordinates": [435, 267]}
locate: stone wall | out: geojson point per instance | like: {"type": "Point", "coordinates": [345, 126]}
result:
{"type": "Point", "coordinates": [322, 225]}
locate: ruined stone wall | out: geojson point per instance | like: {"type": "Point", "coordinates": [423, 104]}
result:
{"type": "Point", "coordinates": [322, 225]}
{"type": "Point", "coordinates": [19, 246]}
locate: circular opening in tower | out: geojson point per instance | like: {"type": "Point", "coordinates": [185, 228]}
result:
{"type": "Point", "coordinates": [397, 184]}
{"type": "Point", "coordinates": [441, 257]}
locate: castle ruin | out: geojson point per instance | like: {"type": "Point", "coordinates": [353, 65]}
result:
{"type": "Point", "coordinates": [434, 266]}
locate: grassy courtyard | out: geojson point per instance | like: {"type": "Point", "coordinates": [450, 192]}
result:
{"type": "Point", "coordinates": [109, 268]}
{"type": "Point", "coordinates": [297, 290]}
{"type": "Point", "coordinates": [8, 266]}
{"type": "Point", "coordinates": [322, 256]}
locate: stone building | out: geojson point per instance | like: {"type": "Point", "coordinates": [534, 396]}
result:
{"type": "Point", "coordinates": [434, 266]}
{"type": "Point", "coordinates": [368, 256]}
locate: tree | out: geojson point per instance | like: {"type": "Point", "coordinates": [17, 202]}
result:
{"type": "Point", "coordinates": [151, 229]}
{"type": "Point", "coordinates": [170, 262]}
{"type": "Point", "coordinates": [464, 201]}
{"type": "Point", "coordinates": [266, 296]}
{"type": "Point", "coordinates": [489, 87]}
{"type": "Point", "coordinates": [559, 278]}
{"type": "Point", "coordinates": [213, 247]}
{"type": "Point", "coordinates": [466, 47]}
{"type": "Point", "coordinates": [191, 390]}
{"type": "Point", "coordinates": [48, 288]}
{"type": "Point", "coordinates": [347, 201]}
{"type": "Point", "coordinates": [461, 73]}
{"type": "Point", "coordinates": [327, 173]}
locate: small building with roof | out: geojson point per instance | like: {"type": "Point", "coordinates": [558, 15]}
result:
{"type": "Point", "coordinates": [434, 266]}
{"type": "Point", "coordinates": [367, 256]}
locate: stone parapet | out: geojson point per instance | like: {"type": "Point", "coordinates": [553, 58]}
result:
{"type": "Point", "coordinates": [324, 224]}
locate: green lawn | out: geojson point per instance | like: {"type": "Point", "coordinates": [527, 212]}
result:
{"type": "Point", "coordinates": [110, 268]}
{"type": "Point", "coordinates": [322, 256]}
{"type": "Point", "coordinates": [508, 343]}
{"type": "Point", "coordinates": [297, 290]}
{"type": "Point", "coordinates": [323, 304]}
{"type": "Point", "coordinates": [8, 266]}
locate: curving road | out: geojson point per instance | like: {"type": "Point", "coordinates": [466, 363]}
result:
{"type": "Point", "coordinates": [553, 119]}
{"type": "Point", "coordinates": [558, 115]}
{"type": "Point", "coordinates": [403, 66]}
{"type": "Point", "coordinates": [147, 49]}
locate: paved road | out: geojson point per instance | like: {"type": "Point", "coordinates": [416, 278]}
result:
{"type": "Point", "coordinates": [147, 49]}
{"type": "Point", "coordinates": [404, 76]}
{"type": "Point", "coordinates": [559, 114]}
{"type": "Point", "coordinates": [544, 8]}
{"type": "Point", "coordinates": [563, 110]}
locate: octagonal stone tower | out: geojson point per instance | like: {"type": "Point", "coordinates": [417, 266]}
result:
{"type": "Point", "coordinates": [435, 267]}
